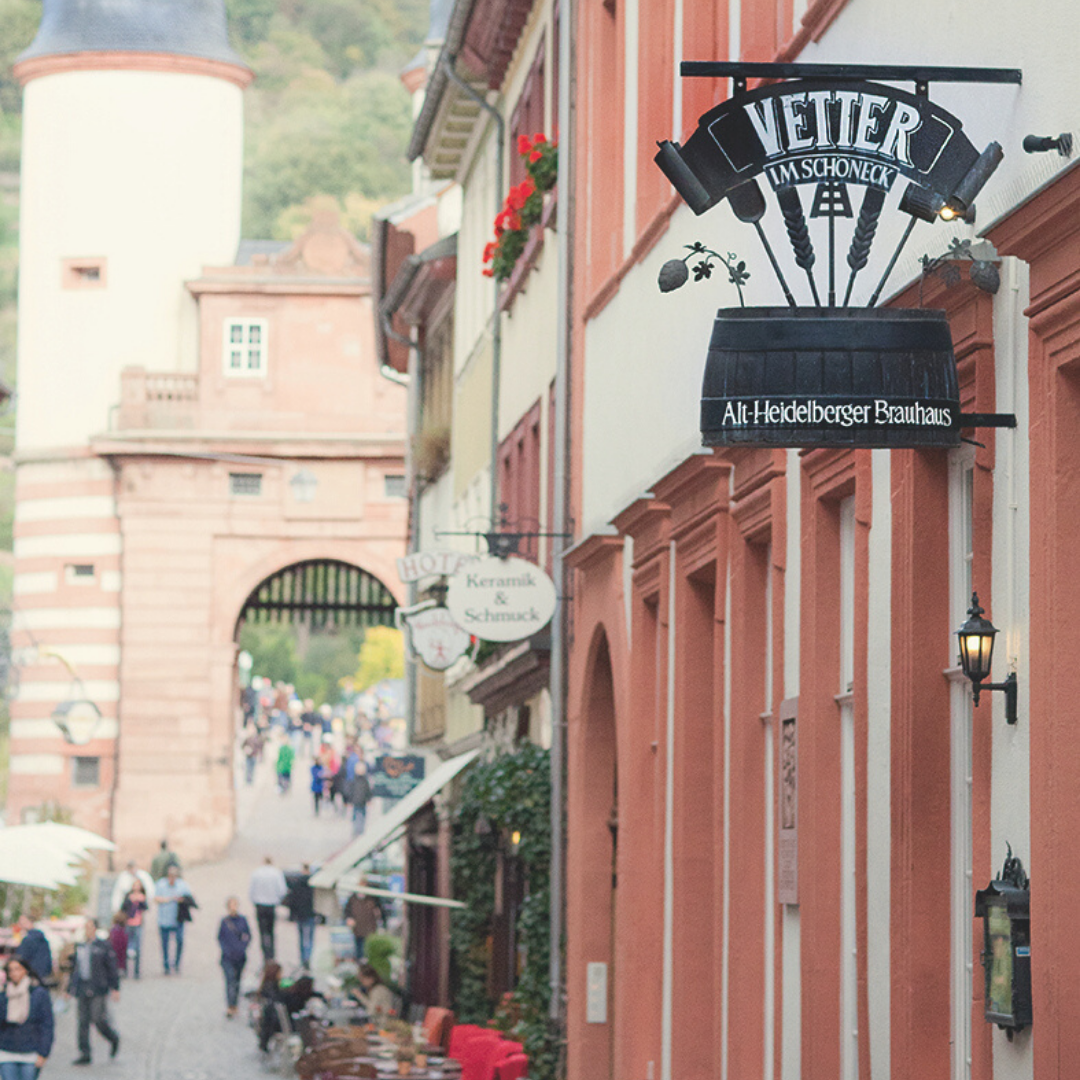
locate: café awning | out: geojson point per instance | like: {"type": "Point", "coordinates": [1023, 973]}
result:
{"type": "Point", "coordinates": [387, 828]}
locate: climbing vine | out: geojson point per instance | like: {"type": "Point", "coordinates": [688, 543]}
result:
{"type": "Point", "coordinates": [507, 795]}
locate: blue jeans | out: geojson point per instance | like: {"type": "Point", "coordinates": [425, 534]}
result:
{"type": "Point", "coordinates": [233, 970]}
{"type": "Point", "coordinates": [168, 932]}
{"type": "Point", "coordinates": [18, 1070]}
{"type": "Point", "coordinates": [134, 934]}
{"type": "Point", "coordinates": [359, 818]}
{"type": "Point", "coordinates": [306, 927]}
{"type": "Point", "coordinates": [249, 768]}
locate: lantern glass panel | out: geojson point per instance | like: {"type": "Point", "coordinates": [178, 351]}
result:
{"type": "Point", "coordinates": [999, 945]}
{"type": "Point", "coordinates": [976, 652]}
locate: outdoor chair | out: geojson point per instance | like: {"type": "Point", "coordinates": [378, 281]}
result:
{"type": "Point", "coordinates": [515, 1067]}
{"type": "Point", "coordinates": [481, 1055]}
{"type": "Point", "coordinates": [438, 1023]}
{"type": "Point", "coordinates": [462, 1035]}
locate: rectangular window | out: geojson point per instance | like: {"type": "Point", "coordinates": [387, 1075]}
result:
{"type": "Point", "coordinates": [85, 772]}
{"type": "Point", "coordinates": [394, 487]}
{"type": "Point", "coordinates": [519, 481]}
{"type": "Point", "coordinates": [244, 353]}
{"type": "Point", "coordinates": [79, 573]}
{"type": "Point", "coordinates": [243, 483]}
{"type": "Point", "coordinates": [83, 273]}
{"type": "Point", "coordinates": [528, 116]}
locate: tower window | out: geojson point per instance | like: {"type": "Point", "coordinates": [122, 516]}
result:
{"type": "Point", "coordinates": [86, 772]}
{"type": "Point", "coordinates": [79, 573]}
{"type": "Point", "coordinates": [244, 353]}
{"type": "Point", "coordinates": [83, 273]}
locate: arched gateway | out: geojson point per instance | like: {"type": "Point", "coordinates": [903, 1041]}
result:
{"type": "Point", "coordinates": [320, 593]}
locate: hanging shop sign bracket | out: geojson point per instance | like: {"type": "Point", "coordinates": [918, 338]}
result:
{"type": "Point", "coordinates": [834, 148]}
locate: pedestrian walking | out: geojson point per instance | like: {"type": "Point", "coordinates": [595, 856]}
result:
{"type": "Point", "coordinates": [169, 893]}
{"type": "Point", "coordinates": [266, 889]}
{"type": "Point", "coordinates": [127, 878]}
{"type": "Point", "coordinates": [252, 746]}
{"type": "Point", "coordinates": [301, 905]}
{"type": "Point", "coordinates": [118, 939]}
{"type": "Point", "coordinates": [159, 865]}
{"type": "Point", "coordinates": [362, 918]}
{"type": "Point", "coordinates": [134, 907]}
{"type": "Point", "coordinates": [234, 936]}
{"type": "Point", "coordinates": [358, 792]}
{"type": "Point", "coordinates": [26, 1023]}
{"type": "Point", "coordinates": [285, 756]}
{"type": "Point", "coordinates": [318, 783]}
{"type": "Point", "coordinates": [94, 978]}
{"type": "Point", "coordinates": [33, 950]}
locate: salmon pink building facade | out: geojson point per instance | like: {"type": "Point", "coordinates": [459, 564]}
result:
{"type": "Point", "coordinates": [781, 798]}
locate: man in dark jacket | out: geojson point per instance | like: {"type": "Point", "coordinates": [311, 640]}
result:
{"type": "Point", "coordinates": [358, 793]}
{"type": "Point", "coordinates": [94, 977]}
{"type": "Point", "coordinates": [362, 918]}
{"type": "Point", "coordinates": [301, 904]}
{"type": "Point", "coordinates": [34, 950]}
{"type": "Point", "coordinates": [234, 936]}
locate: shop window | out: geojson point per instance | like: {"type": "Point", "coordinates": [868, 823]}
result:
{"type": "Point", "coordinates": [86, 772]}
{"type": "Point", "coordinates": [244, 353]}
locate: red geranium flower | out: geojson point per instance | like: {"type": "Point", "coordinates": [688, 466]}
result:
{"type": "Point", "coordinates": [539, 137]}
{"type": "Point", "coordinates": [489, 252]}
{"type": "Point", "coordinates": [535, 156]}
{"type": "Point", "coordinates": [524, 146]}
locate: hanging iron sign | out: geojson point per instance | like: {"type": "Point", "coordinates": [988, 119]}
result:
{"type": "Point", "coordinates": [832, 144]}
{"type": "Point", "coordinates": [436, 638]}
{"type": "Point", "coordinates": [501, 599]}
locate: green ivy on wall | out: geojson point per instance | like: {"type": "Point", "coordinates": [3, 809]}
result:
{"type": "Point", "coordinates": [511, 793]}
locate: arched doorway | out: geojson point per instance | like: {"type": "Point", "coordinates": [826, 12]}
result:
{"type": "Point", "coordinates": [601, 825]}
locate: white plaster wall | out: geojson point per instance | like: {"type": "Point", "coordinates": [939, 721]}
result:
{"type": "Point", "coordinates": [474, 299]}
{"type": "Point", "coordinates": [878, 766]}
{"type": "Point", "coordinates": [144, 169]}
{"type": "Point", "coordinates": [1010, 804]}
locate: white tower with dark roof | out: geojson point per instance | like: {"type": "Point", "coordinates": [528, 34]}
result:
{"type": "Point", "coordinates": [131, 183]}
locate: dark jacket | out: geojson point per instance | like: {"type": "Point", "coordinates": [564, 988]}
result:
{"type": "Point", "coordinates": [36, 1035]}
{"type": "Point", "coordinates": [358, 790]}
{"type": "Point", "coordinates": [301, 898]}
{"type": "Point", "coordinates": [234, 936]}
{"type": "Point", "coordinates": [104, 974]}
{"type": "Point", "coordinates": [35, 953]}
{"type": "Point", "coordinates": [364, 912]}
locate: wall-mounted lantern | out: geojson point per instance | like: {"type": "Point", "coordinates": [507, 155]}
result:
{"type": "Point", "coordinates": [304, 485]}
{"type": "Point", "coordinates": [976, 637]}
{"type": "Point", "coordinates": [1005, 908]}
{"type": "Point", "coordinates": [77, 720]}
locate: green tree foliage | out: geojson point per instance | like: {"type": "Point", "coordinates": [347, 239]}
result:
{"type": "Point", "coordinates": [18, 24]}
{"type": "Point", "coordinates": [327, 114]}
{"type": "Point", "coordinates": [312, 662]}
{"type": "Point", "coordinates": [382, 656]}
{"type": "Point", "coordinates": [325, 138]}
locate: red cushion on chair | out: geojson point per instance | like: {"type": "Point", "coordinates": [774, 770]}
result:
{"type": "Point", "coordinates": [479, 1055]}
{"type": "Point", "coordinates": [462, 1034]}
{"type": "Point", "coordinates": [512, 1068]}
{"type": "Point", "coordinates": [437, 1025]}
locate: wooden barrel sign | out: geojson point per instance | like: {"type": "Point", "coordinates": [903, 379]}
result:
{"type": "Point", "coordinates": [861, 377]}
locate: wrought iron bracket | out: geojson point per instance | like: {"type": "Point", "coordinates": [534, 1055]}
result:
{"type": "Point", "coordinates": [919, 74]}
{"type": "Point", "coordinates": [1009, 688]}
{"type": "Point", "coordinates": [987, 419]}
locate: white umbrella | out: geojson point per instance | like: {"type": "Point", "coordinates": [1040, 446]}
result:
{"type": "Point", "coordinates": [30, 860]}
{"type": "Point", "coordinates": [68, 838]}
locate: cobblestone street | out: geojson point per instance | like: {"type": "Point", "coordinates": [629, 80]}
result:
{"type": "Point", "coordinates": [175, 1028]}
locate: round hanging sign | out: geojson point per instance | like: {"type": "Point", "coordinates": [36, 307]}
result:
{"type": "Point", "coordinates": [501, 599]}
{"type": "Point", "coordinates": [436, 638]}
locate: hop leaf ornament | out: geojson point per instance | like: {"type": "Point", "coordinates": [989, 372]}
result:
{"type": "Point", "coordinates": [985, 275]}
{"type": "Point", "coordinates": [673, 275]}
